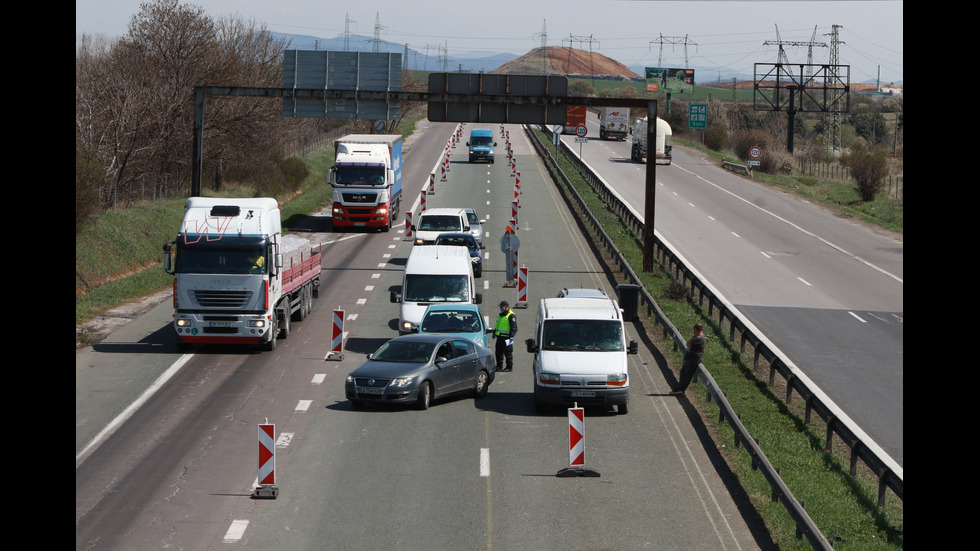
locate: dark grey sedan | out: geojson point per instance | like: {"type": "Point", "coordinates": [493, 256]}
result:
{"type": "Point", "coordinates": [416, 369]}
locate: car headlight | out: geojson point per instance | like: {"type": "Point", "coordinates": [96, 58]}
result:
{"type": "Point", "coordinates": [401, 382]}
{"type": "Point", "coordinates": [350, 379]}
{"type": "Point", "coordinates": [407, 326]}
{"type": "Point", "coordinates": [616, 380]}
{"type": "Point", "coordinates": [549, 378]}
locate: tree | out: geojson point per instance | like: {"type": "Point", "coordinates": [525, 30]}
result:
{"type": "Point", "coordinates": [869, 167]}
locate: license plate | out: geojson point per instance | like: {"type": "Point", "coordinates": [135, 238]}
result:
{"type": "Point", "coordinates": [583, 394]}
{"type": "Point", "coordinates": [369, 390]}
{"type": "Point", "coordinates": [359, 223]}
{"type": "Point", "coordinates": [221, 324]}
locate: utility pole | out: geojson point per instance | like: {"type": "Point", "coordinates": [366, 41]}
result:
{"type": "Point", "coordinates": [833, 130]}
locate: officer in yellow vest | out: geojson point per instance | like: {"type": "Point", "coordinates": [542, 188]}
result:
{"type": "Point", "coordinates": [504, 331]}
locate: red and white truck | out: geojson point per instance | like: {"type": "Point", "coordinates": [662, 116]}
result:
{"type": "Point", "coordinates": [367, 181]}
{"type": "Point", "coordinates": [574, 119]}
{"type": "Point", "coordinates": [237, 279]}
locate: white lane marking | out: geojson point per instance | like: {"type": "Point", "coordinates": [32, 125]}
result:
{"type": "Point", "coordinates": [319, 378]}
{"type": "Point", "coordinates": [303, 405]}
{"type": "Point", "coordinates": [236, 531]}
{"type": "Point", "coordinates": [484, 462]}
{"type": "Point", "coordinates": [857, 317]}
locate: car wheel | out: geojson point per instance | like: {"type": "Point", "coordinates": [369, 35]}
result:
{"type": "Point", "coordinates": [425, 396]}
{"type": "Point", "coordinates": [480, 389]}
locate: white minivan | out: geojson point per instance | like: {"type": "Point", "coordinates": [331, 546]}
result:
{"type": "Point", "coordinates": [580, 353]}
{"type": "Point", "coordinates": [434, 221]}
{"type": "Point", "coordinates": [434, 274]}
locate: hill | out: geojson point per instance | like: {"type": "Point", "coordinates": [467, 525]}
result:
{"type": "Point", "coordinates": [565, 61]}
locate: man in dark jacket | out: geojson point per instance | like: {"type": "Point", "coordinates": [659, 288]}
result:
{"type": "Point", "coordinates": [692, 359]}
{"type": "Point", "coordinates": [504, 331]}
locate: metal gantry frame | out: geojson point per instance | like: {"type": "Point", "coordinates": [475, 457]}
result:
{"type": "Point", "coordinates": [557, 103]}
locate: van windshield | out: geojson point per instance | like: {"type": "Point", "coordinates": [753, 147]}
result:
{"type": "Point", "coordinates": [481, 140]}
{"type": "Point", "coordinates": [436, 288]}
{"type": "Point", "coordinates": [590, 335]}
{"type": "Point", "coordinates": [438, 222]}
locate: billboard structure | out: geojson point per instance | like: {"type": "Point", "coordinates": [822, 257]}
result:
{"type": "Point", "coordinates": [669, 81]}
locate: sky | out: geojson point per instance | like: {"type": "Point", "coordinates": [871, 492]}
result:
{"type": "Point", "coordinates": [713, 36]}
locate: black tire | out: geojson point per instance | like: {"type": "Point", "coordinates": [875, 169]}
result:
{"type": "Point", "coordinates": [273, 335]}
{"type": "Point", "coordinates": [285, 325]}
{"type": "Point", "coordinates": [425, 396]}
{"type": "Point", "coordinates": [482, 384]}
{"type": "Point", "coordinates": [300, 313]}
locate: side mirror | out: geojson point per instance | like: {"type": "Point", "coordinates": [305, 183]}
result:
{"type": "Point", "coordinates": [395, 296]}
{"type": "Point", "coordinates": [168, 259]}
{"type": "Point", "coordinates": [531, 347]}
{"type": "Point", "coordinates": [633, 348]}
{"type": "Point", "coordinates": [478, 299]}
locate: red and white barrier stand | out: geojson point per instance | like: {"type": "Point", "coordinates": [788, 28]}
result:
{"type": "Point", "coordinates": [422, 202]}
{"type": "Point", "coordinates": [267, 463]}
{"type": "Point", "coordinates": [513, 214]}
{"type": "Point", "coordinates": [521, 287]}
{"type": "Point", "coordinates": [408, 226]}
{"type": "Point", "coordinates": [576, 445]}
{"type": "Point", "coordinates": [432, 183]}
{"type": "Point", "coordinates": [336, 337]}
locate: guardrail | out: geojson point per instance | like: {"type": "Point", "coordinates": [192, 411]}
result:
{"type": "Point", "coordinates": [889, 474]}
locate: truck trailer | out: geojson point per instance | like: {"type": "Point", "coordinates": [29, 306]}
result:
{"type": "Point", "coordinates": [574, 119]}
{"type": "Point", "coordinates": [638, 152]}
{"type": "Point", "coordinates": [237, 279]}
{"type": "Point", "coordinates": [614, 123]}
{"type": "Point", "coordinates": [367, 181]}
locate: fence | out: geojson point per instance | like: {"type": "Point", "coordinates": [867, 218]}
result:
{"type": "Point", "coordinates": [889, 474]}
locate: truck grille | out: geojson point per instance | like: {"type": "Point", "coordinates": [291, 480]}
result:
{"type": "Point", "coordinates": [222, 299]}
{"type": "Point", "coordinates": [360, 197]}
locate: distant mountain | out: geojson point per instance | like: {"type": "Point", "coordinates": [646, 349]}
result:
{"type": "Point", "coordinates": [429, 60]}
{"type": "Point", "coordinates": [468, 62]}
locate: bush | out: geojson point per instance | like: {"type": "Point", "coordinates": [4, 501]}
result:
{"type": "Point", "coordinates": [716, 137]}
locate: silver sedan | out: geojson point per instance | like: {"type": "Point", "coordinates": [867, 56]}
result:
{"type": "Point", "coordinates": [416, 369]}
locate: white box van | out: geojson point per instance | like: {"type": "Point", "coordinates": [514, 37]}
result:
{"type": "Point", "coordinates": [434, 274]}
{"type": "Point", "coordinates": [580, 353]}
{"type": "Point", "coordinates": [432, 222]}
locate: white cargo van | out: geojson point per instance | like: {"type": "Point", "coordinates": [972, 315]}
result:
{"type": "Point", "coordinates": [434, 274]}
{"type": "Point", "coordinates": [432, 222]}
{"type": "Point", "coordinates": [580, 353]}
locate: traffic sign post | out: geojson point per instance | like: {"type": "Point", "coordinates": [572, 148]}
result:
{"type": "Point", "coordinates": [697, 116]}
{"type": "Point", "coordinates": [509, 243]}
{"type": "Point", "coordinates": [755, 153]}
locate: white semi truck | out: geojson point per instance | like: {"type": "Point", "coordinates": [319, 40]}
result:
{"type": "Point", "coordinates": [614, 123]}
{"type": "Point", "coordinates": [638, 152]}
{"type": "Point", "coordinates": [237, 279]}
{"type": "Point", "coordinates": [367, 181]}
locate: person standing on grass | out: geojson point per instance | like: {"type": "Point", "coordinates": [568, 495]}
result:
{"type": "Point", "coordinates": [692, 359]}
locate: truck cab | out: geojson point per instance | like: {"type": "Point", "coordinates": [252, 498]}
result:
{"type": "Point", "coordinates": [481, 145]}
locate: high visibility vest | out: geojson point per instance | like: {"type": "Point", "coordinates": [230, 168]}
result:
{"type": "Point", "coordinates": [502, 328]}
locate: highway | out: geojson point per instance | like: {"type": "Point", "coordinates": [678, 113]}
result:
{"type": "Point", "coordinates": [178, 469]}
{"type": "Point", "coordinates": [827, 291]}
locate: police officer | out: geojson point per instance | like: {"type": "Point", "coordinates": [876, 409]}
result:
{"type": "Point", "coordinates": [504, 331]}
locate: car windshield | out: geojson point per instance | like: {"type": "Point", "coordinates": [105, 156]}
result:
{"type": "Point", "coordinates": [451, 322]}
{"type": "Point", "coordinates": [404, 351]}
{"type": "Point", "coordinates": [457, 241]}
{"type": "Point", "coordinates": [472, 217]}
{"type": "Point", "coordinates": [438, 222]}
{"type": "Point", "coordinates": [591, 335]}
{"type": "Point", "coordinates": [436, 288]}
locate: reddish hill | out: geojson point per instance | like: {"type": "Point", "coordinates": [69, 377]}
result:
{"type": "Point", "coordinates": [564, 61]}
